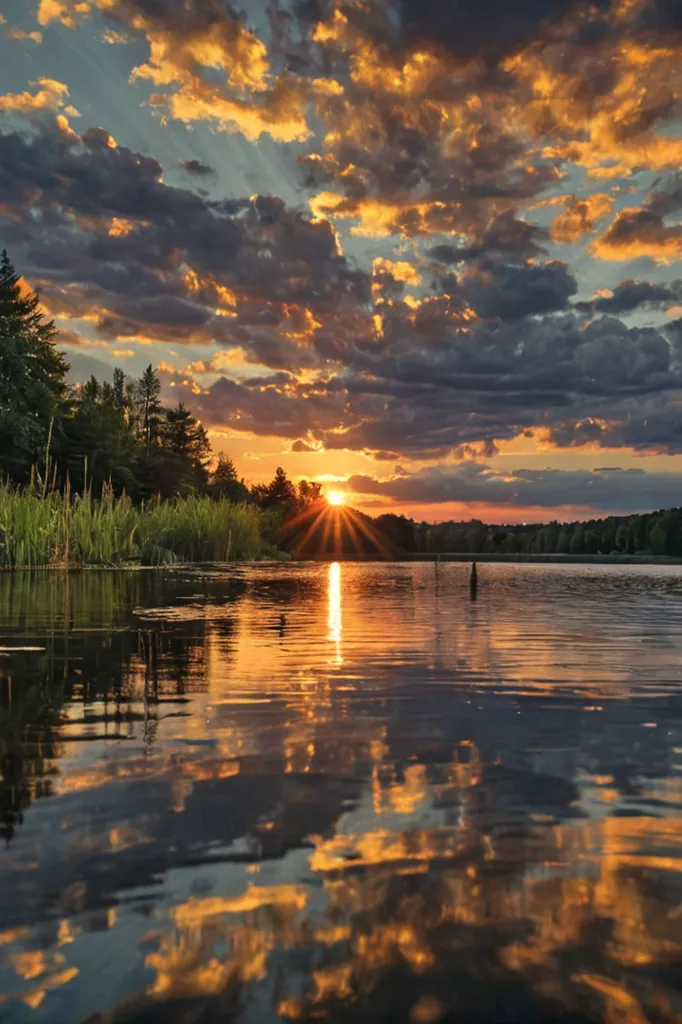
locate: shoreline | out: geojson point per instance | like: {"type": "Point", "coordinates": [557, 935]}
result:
{"type": "Point", "coordinates": [511, 558]}
{"type": "Point", "coordinates": [406, 557]}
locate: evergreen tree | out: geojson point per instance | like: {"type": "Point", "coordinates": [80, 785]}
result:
{"type": "Point", "coordinates": [225, 483]}
{"type": "Point", "coordinates": [91, 390]}
{"type": "Point", "coordinates": [119, 390]}
{"type": "Point", "coordinates": [185, 439]}
{"type": "Point", "coordinates": [149, 408]}
{"type": "Point", "coordinates": [279, 493]}
{"type": "Point", "coordinates": [32, 377]}
{"type": "Point", "coordinates": [100, 445]}
{"type": "Point", "coordinates": [309, 493]}
{"type": "Point", "coordinates": [224, 472]}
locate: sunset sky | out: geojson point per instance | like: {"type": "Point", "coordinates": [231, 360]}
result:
{"type": "Point", "coordinates": [425, 251]}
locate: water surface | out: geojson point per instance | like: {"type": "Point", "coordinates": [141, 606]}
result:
{"type": "Point", "coordinates": [342, 793]}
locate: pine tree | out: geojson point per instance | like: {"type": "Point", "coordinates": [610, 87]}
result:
{"type": "Point", "coordinates": [150, 410]}
{"type": "Point", "coordinates": [97, 436]}
{"type": "Point", "coordinates": [185, 438]}
{"type": "Point", "coordinates": [91, 390]}
{"type": "Point", "coordinates": [280, 493]}
{"type": "Point", "coordinates": [225, 482]}
{"type": "Point", "coordinates": [119, 389]}
{"type": "Point", "coordinates": [225, 471]}
{"type": "Point", "coordinates": [32, 377]}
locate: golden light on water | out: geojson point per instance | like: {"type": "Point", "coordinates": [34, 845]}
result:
{"type": "Point", "coordinates": [336, 498]}
{"type": "Point", "coordinates": [334, 619]}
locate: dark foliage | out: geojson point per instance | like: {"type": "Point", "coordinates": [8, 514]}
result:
{"type": "Point", "coordinates": [655, 533]}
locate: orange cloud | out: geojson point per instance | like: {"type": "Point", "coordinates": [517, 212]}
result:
{"type": "Point", "coordinates": [120, 227]}
{"type": "Point", "coordinates": [607, 131]}
{"type": "Point", "coordinates": [29, 37]}
{"type": "Point", "coordinates": [68, 12]}
{"type": "Point", "coordinates": [383, 217]}
{"type": "Point", "coordinates": [399, 271]}
{"type": "Point", "coordinates": [580, 217]}
{"type": "Point", "coordinates": [637, 232]}
{"type": "Point", "coordinates": [183, 52]}
{"type": "Point", "coordinates": [279, 112]}
{"type": "Point", "coordinates": [48, 95]}
{"type": "Point", "coordinates": [227, 46]}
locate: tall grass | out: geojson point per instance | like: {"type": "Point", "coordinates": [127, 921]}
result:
{"type": "Point", "coordinates": [40, 527]}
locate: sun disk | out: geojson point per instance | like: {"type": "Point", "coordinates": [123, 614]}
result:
{"type": "Point", "coordinates": [336, 498]}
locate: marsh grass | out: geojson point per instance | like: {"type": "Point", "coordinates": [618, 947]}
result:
{"type": "Point", "coordinates": [42, 527]}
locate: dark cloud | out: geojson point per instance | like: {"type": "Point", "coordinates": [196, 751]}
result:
{"type": "Point", "coordinates": [629, 295]}
{"type": "Point", "coordinates": [510, 292]}
{"type": "Point", "coordinates": [666, 196]}
{"type": "Point", "coordinates": [602, 490]}
{"type": "Point", "coordinates": [301, 446]}
{"type": "Point", "coordinates": [108, 237]}
{"type": "Point", "coordinates": [640, 232]}
{"type": "Point", "coordinates": [270, 411]}
{"type": "Point", "coordinates": [600, 383]}
{"type": "Point", "coordinates": [196, 167]}
{"type": "Point", "coordinates": [505, 236]}
{"type": "Point", "coordinates": [661, 18]}
{"type": "Point", "coordinates": [470, 29]}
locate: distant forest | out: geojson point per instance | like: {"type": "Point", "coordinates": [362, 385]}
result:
{"type": "Point", "coordinates": [656, 533]}
{"type": "Point", "coordinates": [118, 434]}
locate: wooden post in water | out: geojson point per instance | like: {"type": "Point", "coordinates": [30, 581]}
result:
{"type": "Point", "coordinates": [473, 581]}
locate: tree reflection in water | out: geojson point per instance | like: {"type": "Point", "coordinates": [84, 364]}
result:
{"type": "Point", "coordinates": [402, 808]}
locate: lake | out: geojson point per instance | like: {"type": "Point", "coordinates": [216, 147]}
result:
{"type": "Point", "coordinates": [341, 793]}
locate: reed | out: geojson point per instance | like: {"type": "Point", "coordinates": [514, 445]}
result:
{"type": "Point", "coordinates": [41, 527]}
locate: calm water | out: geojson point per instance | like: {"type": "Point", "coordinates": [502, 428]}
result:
{"type": "Point", "coordinates": [342, 793]}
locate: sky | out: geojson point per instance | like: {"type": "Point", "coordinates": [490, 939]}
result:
{"type": "Point", "coordinates": [426, 252]}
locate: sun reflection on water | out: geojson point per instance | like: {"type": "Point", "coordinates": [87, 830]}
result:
{"type": "Point", "coordinates": [334, 621]}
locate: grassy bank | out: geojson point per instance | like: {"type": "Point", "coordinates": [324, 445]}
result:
{"type": "Point", "coordinates": [61, 530]}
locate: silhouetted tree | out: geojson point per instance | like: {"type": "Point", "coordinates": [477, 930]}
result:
{"type": "Point", "coordinates": [280, 493]}
{"type": "Point", "coordinates": [309, 493]}
{"type": "Point", "coordinates": [657, 539]}
{"type": "Point", "coordinates": [398, 530]}
{"type": "Point", "coordinates": [119, 388]}
{"type": "Point", "coordinates": [149, 408]}
{"type": "Point", "coordinates": [225, 483]}
{"type": "Point", "coordinates": [32, 377]}
{"type": "Point", "coordinates": [187, 449]}
{"type": "Point", "coordinates": [100, 446]}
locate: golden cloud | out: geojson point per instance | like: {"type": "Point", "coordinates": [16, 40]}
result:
{"type": "Point", "coordinates": [68, 12]}
{"type": "Point", "coordinates": [380, 218]}
{"type": "Point", "coordinates": [399, 271]}
{"type": "Point", "coordinates": [636, 232]}
{"type": "Point", "coordinates": [48, 95]}
{"type": "Point", "coordinates": [279, 112]}
{"type": "Point", "coordinates": [580, 217]}
{"type": "Point", "coordinates": [21, 35]}
{"type": "Point", "coordinates": [208, 39]}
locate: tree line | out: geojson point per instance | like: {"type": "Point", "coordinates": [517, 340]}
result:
{"type": "Point", "coordinates": [654, 533]}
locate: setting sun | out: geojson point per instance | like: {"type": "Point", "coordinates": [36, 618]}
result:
{"type": "Point", "coordinates": [336, 498]}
